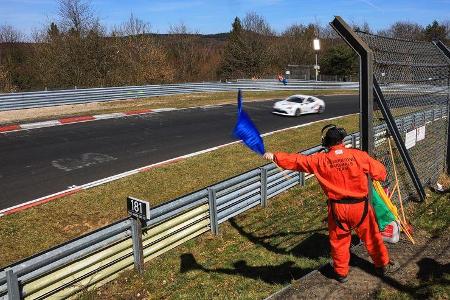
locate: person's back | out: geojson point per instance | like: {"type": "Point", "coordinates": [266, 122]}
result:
{"type": "Point", "coordinates": [342, 174]}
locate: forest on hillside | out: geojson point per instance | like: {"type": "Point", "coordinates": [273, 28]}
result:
{"type": "Point", "coordinates": [76, 50]}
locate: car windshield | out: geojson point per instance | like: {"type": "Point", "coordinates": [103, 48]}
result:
{"type": "Point", "coordinates": [295, 99]}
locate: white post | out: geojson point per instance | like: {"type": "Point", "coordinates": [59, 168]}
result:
{"type": "Point", "coordinates": [316, 46]}
{"type": "Point", "coordinates": [315, 67]}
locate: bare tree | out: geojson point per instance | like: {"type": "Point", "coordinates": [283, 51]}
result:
{"type": "Point", "coordinates": [9, 34]}
{"type": "Point", "coordinates": [257, 24]}
{"type": "Point", "coordinates": [133, 26]}
{"type": "Point", "coordinates": [404, 30]}
{"type": "Point", "coordinates": [327, 32]}
{"type": "Point", "coordinates": [181, 28]}
{"type": "Point", "coordinates": [13, 59]}
{"type": "Point", "coordinates": [296, 45]}
{"type": "Point", "coordinates": [5, 81]}
{"type": "Point", "coordinates": [76, 15]}
{"type": "Point", "coordinates": [184, 51]}
{"type": "Point", "coordinates": [446, 24]}
{"type": "Point", "coordinates": [364, 27]}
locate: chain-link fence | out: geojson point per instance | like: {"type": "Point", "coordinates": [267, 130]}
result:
{"type": "Point", "coordinates": [414, 78]}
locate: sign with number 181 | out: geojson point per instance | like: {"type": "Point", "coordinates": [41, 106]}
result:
{"type": "Point", "coordinates": [138, 208]}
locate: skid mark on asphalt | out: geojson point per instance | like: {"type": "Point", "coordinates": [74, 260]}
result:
{"type": "Point", "coordinates": [86, 160]}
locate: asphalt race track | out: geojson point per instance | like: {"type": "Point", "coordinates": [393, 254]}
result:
{"type": "Point", "coordinates": [35, 163]}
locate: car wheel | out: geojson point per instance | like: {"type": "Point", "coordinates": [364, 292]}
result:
{"type": "Point", "coordinates": [298, 112]}
{"type": "Point", "coordinates": [321, 109]}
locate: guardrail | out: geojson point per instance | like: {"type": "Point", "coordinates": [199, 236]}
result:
{"type": "Point", "coordinates": [51, 98]}
{"type": "Point", "coordinates": [98, 257]}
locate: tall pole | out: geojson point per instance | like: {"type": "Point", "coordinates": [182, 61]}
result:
{"type": "Point", "coordinates": [446, 52]}
{"type": "Point", "coordinates": [365, 82]}
{"type": "Point", "coordinates": [316, 47]}
{"type": "Point", "coordinates": [315, 67]}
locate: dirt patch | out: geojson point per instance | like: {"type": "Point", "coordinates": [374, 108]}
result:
{"type": "Point", "coordinates": [84, 227]}
{"type": "Point", "coordinates": [424, 274]}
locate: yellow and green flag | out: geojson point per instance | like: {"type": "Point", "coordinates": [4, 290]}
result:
{"type": "Point", "coordinates": [385, 211]}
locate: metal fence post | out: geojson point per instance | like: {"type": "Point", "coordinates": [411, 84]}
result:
{"type": "Point", "coordinates": [366, 137]}
{"type": "Point", "coordinates": [402, 126]}
{"type": "Point", "coordinates": [397, 136]}
{"type": "Point", "coordinates": [353, 141]}
{"type": "Point", "coordinates": [213, 211]}
{"type": "Point", "coordinates": [263, 187]}
{"type": "Point", "coordinates": [443, 48]}
{"type": "Point", "coordinates": [13, 285]}
{"type": "Point", "coordinates": [301, 180]}
{"type": "Point", "coordinates": [138, 249]}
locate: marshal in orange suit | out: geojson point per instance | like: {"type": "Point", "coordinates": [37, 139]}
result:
{"type": "Point", "coordinates": [342, 174]}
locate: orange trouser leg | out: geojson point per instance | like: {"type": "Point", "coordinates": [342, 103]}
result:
{"type": "Point", "coordinates": [369, 233]}
{"type": "Point", "coordinates": [340, 246]}
{"type": "Point", "coordinates": [349, 215]}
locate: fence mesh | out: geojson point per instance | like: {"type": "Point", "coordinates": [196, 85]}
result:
{"type": "Point", "coordinates": [414, 79]}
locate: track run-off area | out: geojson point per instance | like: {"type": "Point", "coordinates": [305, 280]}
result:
{"type": "Point", "coordinates": [39, 162]}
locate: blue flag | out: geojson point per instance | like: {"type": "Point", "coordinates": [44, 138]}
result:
{"type": "Point", "coordinates": [247, 131]}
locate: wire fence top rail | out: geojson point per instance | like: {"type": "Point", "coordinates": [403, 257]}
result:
{"type": "Point", "coordinates": [10, 101]}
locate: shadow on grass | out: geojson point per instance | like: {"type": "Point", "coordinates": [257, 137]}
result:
{"type": "Point", "coordinates": [429, 270]}
{"type": "Point", "coordinates": [315, 246]}
{"type": "Point", "coordinates": [431, 274]}
{"type": "Point", "coordinates": [278, 274]}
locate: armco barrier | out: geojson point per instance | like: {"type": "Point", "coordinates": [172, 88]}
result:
{"type": "Point", "coordinates": [98, 257]}
{"type": "Point", "coordinates": [51, 98]}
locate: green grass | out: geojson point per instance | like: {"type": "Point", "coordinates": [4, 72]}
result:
{"type": "Point", "coordinates": [255, 255]}
{"type": "Point", "coordinates": [258, 253]}
{"type": "Point", "coordinates": [434, 218]}
{"type": "Point", "coordinates": [39, 228]}
{"type": "Point", "coordinates": [434, 215]}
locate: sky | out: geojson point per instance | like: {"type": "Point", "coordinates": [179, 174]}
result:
{"type": "Point", "coordinates": [214, 16]}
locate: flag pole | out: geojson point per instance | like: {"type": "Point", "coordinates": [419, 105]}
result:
{"type": "Point", "coordinates": [396, 180]}
{"type": "Point", "coordinates": [286, 176]}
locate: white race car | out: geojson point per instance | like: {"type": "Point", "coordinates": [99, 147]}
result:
{"type": "Point", "coordinates": [297, 105]}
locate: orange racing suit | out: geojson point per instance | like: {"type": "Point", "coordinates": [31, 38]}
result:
{"type": "Point", "coordinates": [342, 174]}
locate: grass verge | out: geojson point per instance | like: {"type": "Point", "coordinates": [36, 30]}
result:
{"type": "Point", "coordinates": [39, 228]}
{"type": "Point", "coordinates": [255, 255]}
{"type": "Point", "coordinates": [173, 101]}
{"type": "Point", "coordinates": [433, 217]}
{"type": "Point", "coordinates": [260, 252]}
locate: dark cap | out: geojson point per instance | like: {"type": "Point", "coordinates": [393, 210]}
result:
{"type": "Point", "coordinates": [333, 135]}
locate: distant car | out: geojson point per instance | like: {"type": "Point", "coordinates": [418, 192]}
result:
{"type": "Point", "coordinates": [297, 105]}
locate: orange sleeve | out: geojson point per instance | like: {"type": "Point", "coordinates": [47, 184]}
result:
{"type": "Point", "coordinates": [294, 161]}
{"type": "Point", "coordinates": [374, 168]}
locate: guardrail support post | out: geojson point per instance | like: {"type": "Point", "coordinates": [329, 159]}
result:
{"type": "Point", "coordinates": [301, 180]}
{"type": "Point", "coordinates": [213, 211]}
{"type": "Point", "coordinates": [138, 249]}
{"type": "Point", "coordinates": [263, 187]}
{"type": "Point", "coordinates": [401, 129]}
{"type": "Point", "coordinates": [13, 285]}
